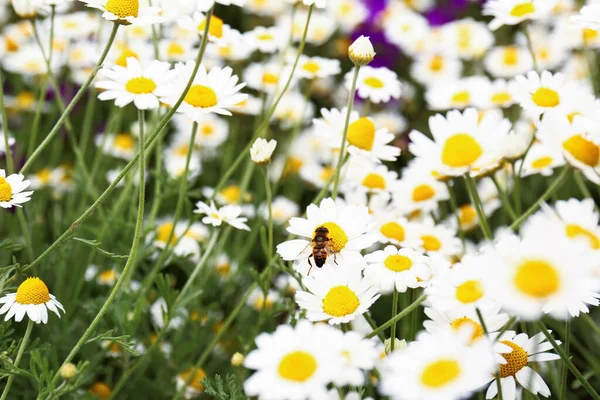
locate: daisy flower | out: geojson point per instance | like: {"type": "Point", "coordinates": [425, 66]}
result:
{"type": "Point", "coordinates": [588, 17]}
{"type": "Point", "coordinates": [283, 209]}
{"type": "Point", "coordinates": [266, 39]}
{"type": "Point", "coordinates": [267, 76]}
{"type": "Point", "coordinates": [217, 29]}
{"type": "Point", "coordinates": [229, 214]}
{"type": "Point", "coordinates": [540, 273]}
{"type": "Point", "coordinates": [540, 93]}
{"type": "Point", "coordinates": [393, 228]}
{"type": "Point", "coordinates": [367, 176]}
{"type": "Point", "coordinates": [291, 362]}
{"type": "Point", "coordinates": [194, 387]}
{"type": "Point", "coordinates": [337, 294]}
{"type": "Point", "coordinates": [262, 150]}
{"type": "Point", "coordinates": [508, 61]}
{"type": "Point", "coordinates": [393, 268]}
{"type": "Point", "coordinates": [215, 91]}
{"type": "Point", "coordinates": [317, 67]}
{"type": "Point", "coordinates": [11, 141]}
{"type": "Point", "coordinates": [347, 13]}
{"type": "Point", "coordinates": [497, 94]}
{"type": "Point", "coordinates": [435, 68]}
{"type": "Point", "coordinates": [466, 38]}
{"type": "Point", "coordinates": [258, 301]}
{"type": "Point", "coordinates": [407, 30]}
{"type": "Point", "coordinates": [32, 298]}
{"type": "Point", "coordinates": [349, 229]}
{"type": "Point", "coordinates": [462, 142]}
{"type": "Point", "coordinates": [356, 353]}
{"type": "Point", "coordinates": [514, 353]}
{"type": "Point", "coordinates": [437, 239]}
{"type": "Point", "coordinates": [122, 145]}
{"type": "Point", "coordinates": [126, 12]}
{"type": "Point", "coordinates": [137, 83]}
{"type": "Point", "coordinates": [379, 85]}
{"type": "Point", "coordinates": [12, 190]}
{"type": "Point", "coordinates": [418, 190]}
{"type": "Point", "coordinates": [513, 12]}
{"type": "Point", "coordinates": [458, 94]}
{"type": "Point", "coordinates": [541, 159]}
{"type": "Point", "coordinates": [436, 367]}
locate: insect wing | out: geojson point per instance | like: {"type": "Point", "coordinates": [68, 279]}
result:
{"type": "Point", "coordinates": [303, 255]}
{"type": "Point", "coordinates": [334, 257]}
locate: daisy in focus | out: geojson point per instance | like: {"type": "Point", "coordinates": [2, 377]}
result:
{"type": "Point", "coordinates": [512, 12]}
{"type": "Point", "coordinates": [32, 298]}
{"type": "Point", "coordinates": [126, 12]}
{"type": "Point", "coordinates": [12, 190]}
{"type": "Point", "coordinates": [228, 214]}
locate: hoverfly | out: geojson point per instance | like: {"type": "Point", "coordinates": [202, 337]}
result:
{"type": "Point", "coordinates": [319, 248]}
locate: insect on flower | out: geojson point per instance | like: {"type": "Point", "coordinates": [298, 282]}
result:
{"type": "Point", "coordinates": [320, 247]}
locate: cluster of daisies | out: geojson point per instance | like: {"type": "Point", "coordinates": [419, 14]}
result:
{"type": "Point", "coordinates": [495, 113]}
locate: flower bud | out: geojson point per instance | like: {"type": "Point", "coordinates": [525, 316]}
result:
{"type": "Point", "coordinates": [237, 360]}
{"type": "Point", "coordinates": [398, 344]}
{"type": "Point", "coordinates": [68, 371]}
{"type": "Point", "coordinates": [27, 8]}
{"type": "Point", "coordinates": [261, 151]}
{"type": "Point", "coordinates": [361, 52]}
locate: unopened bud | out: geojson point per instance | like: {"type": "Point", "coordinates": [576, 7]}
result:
{"type": "Point", "coordinates": [237, 360]}
{"type": "Point", "coordinates": [398, 344]}
{"type": "Point", "coordinates": [361, 52]}
{"type": "Point", "coordinates": [68, 371]}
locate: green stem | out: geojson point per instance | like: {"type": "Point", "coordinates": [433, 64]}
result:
{"type": "Point", "coordinates": [584, 189]}
{"type": "Point", "coordinates": [563, 372]}
{"type": "Point", "coordinates": [38, 115]}
{"type": "Point", "coordinates": [72, 104]}
{"type": "Point", "coordinates": [530, 46]}
{"type": "Point", "coordinates": [555, 184]}
{"type": "Point", "coordinates": [509, 324]}
{"type": "Point", "coordinates": [398, 317]}
{"type": "Point", "coordinates": [338, 167]}
{"type": "Point", "coordinates": [496, 375]}
{"type": "Point", "coordinates": [269, 201]}
{"type": "Point", "coordinates": [26, 232]}
{"type": "Point", "coordinates": [10, 168]}
{"type": "Point", "coordinates": [18, 359]}
{"type": "Point", "coordinates": [373, 326]}
{"type": "Point", "coordinates": [130, 260]}
{"type": "Point", "coordinates": [394, 312]}
{"type": "Point", "coordinates": [504, 198]}
{"type": "Point", "coordinates": [472, 188]}
{"type": "Point", "coordinates": [590, 321]}
{"type": "Point", "coordinates": [565, 358]}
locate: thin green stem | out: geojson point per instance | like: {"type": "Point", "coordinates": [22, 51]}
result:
{"type": "Point", "coordinates": [394, 312]}
{"type": "Point", "coordinates": [26, 232]}
{"type": "Point", "coordinates": [509, 324]}
{"type": "Point", "coordinates": [72, 104]}
{"type": "Point", "coordinates": [504, 198]}
{"type": "Point", "coordinates": [592, 324]}
{"type": "Point", "coordinates": [565, 359]}
{"type": "Point", "coordinates": [483, 223]}
{"type": "Point", "coordinates": [130, 260]}
{"type": "Point", "coordinates": [338, 167]}
{"type": "Point", "coordinates": [18, 359]}
{"type": "Point", "coordinates": [35, 127]}
{"type": "Point", "coordinates": [398, 317]}
{"type": "Point", "coordinates": [563, 370]}
{"type": "Point", "coordinates": [454, 206]}
{"type": "Point", "coordinates": [530, 46]}
{"type": "Point", "coordinates": [10, 168]}
{"type": "Point", "coordinates": [269, 201]}
{"type": "Point", "coordinates": [555, 184]}
{"type": "Point", "coordinates": [584, 189]}
{"type": "Point", "coordinates": [373, 326]}
{"type": "Point", "coordinates": [496, 375]}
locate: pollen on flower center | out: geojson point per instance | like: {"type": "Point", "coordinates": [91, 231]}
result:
{"type": "Point", "coordinates": [175, 49]}
{"type": "Point", "coordinates": [422, 193]}
{"type": "Point", "coordinates": [297, 366]}
{"type": "Point", "coordinates": [544, 97]}
{"type": "Point", "coordinates": [340, 301]}
{"type": "Point", "coordinates": [140, 85]}
{"type": "Point", "coordinates": [537, 278]}
{"type": "Point", "coordinates": [461, 150]}
{"type": "Point", "coordinates": [437, 63]}
{"type": "Point", "coordinates": [123, 8]}
{"type": "Point", "coordinates": [5, 190]}
{"type": "Point", "coordinates": [270, 79]}
{"type": "Point", "coordinates": [393, 230]}
{"type": "Point", "coordinates": [374, 82]}
{"type": "Point", "coordinates": [361, 133]}
{"type": "Point", "coordinates": [374, 181]}
{"type": "Point", "coordinates": [440, 373]}
{"type": "Point", "coordinates": [501, 98]}
{"type": "Point", "coordinates": [576, 231]}
{"type": "Point", "coordinates": [515, 360]}
{"type": "Point", "coordinates": [311, 67]}
{"type": "Point", "coordinates": [398, 263]}
{"type": "Point", "coordinates": [32, 291]}
{"type": "Point", "coordinates": [215, 29]}
{"type": "Point", "coordinates": [523, 9]}
{"type": "Point", "coordinates": [511, 56]}
{"type": "Point", "coordinates": [431, 243]}
{"type": "Point", "coordinates": [469, 291]}
{"type": "Point", "coordinates": [542, 162]}
{"type": "Point", "coordinates": [467, 214]}
{"type": "Point", "coordinates": [477, 329]}
{"type": "Point", "coordinates": [124, 141]}
{"type": "Point", "coordinates": [163, 233]}
{"type": "Point", "coordinates": [583, 150]}
{"type": "Point", "coordinates": [121, 61]}
{"type": "Point", "coordinates": [232, 194]}
{"type": "Point", "coordinates": [201, 96]}
{"type": "Point", "coordinates": [199, 375]}
{"type": "Point", "coordinates": [337, 236]}
{"type": "Point", "coordinates": [461, 98]}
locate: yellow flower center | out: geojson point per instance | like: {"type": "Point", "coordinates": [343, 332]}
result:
{"type": "Point", "coordinates": [42, 175]}
{"type": "Point", "coordinates": [33, 291]}
{"type": "Point", "coordinates": [124, 141]}
{"type": "Point", "coordinates": [207, 130]}
{"type": "Point", "coordinates": [5, 190]}
{"type": "Point", "coordinates": [422, 193]}
{"type": "Point", "coordinates": [437, 63]}
{"type": "Point", "coordinates": [374, 82]}
{"type": "Point", "coordinates": [542, 162]}
{"type": "Point", "coordinates": [511, 56]}
{"type": "Point", "coordinates": [175, 49]}
{"type": "Point", "coordinates": [477, 329]}
{"type": "Point", "coordinates": [537, 278]}
{"type": "Point", "coordinates": [515, 360]}
{"type": "Point", "coordinates": [25, 99]}
{"type": "Point", "coordinates": [297, 366]}
{"type": "Point", "coordinates": [265, 37]}
{"type": "Point", "coordinates": [336, 235]}
{"type": "Point", "coordinates": [123, 8]}
{"type": "Point", "coordinates": [469, 291]}
{"type": "Point", "coordinates": [576, 231]}
{"type": "Point", "coordinates": [544, 97]}
{"type": "Point", "coordinates": [201, 96]}
{"type": "Point", "coordinates": [232, 194]}
{"type": "Point", "coordinates": [215, 29]}
{"type": "Point", "coordinates": [374, 181]}
{"type": "Point", "coordinates": [501, 98]}
{"type": "Point", "coordinates": [340, 301]}
{"type": "Point", "coordinates": [312, 67]}
{"type": "Point", "coordinates": [293, 165]}
{"type": "Point", "coordinates": [122, 59]}
{"type": "Point", "coordinates": [164, 231]}
{"type": "Point", "coordinates": [431, 243]}
{"type": "Point", "coordinates": [398, 263]}
{"type": "Point", "coordinates": [571, 116]}
{"type": "Point", "coordinates": [270, 79]}
{"type": "Point", "coordinates": [140, 85]}
{"type": "Point", "coordinates": [583, 150]}
{"type": "Point", "coordinates": [393, 230]}
{"type": "Point", "coordinates": [361, 133]}
{"type": "Point", "coordinates": [199, 375]}
{"type": "Point", "coordinates": [327, 173]}
{"type": "Point", "coordinates": [223, 269]}
{"type": "Point", "coordinates": [467, 214]}
{"type": "Point", "coordinates": [101, 390]}
{"type": "Point", "coordinates": [440, 373]}
{"type": "Point", "coordinates": [261, 303]}
{"type": "Point", "coordinates": [523, 9]}
{"type": "Point", "coordinates": [461, 98]}
{"type": "Point", "coordinates": [461, 150]}
{"type": "Point", "coordinates": [589, 35]}
{"type": "Point", "coordinates": [11, 45]}
{"type": "Point", "coordinates": [107, 276]}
